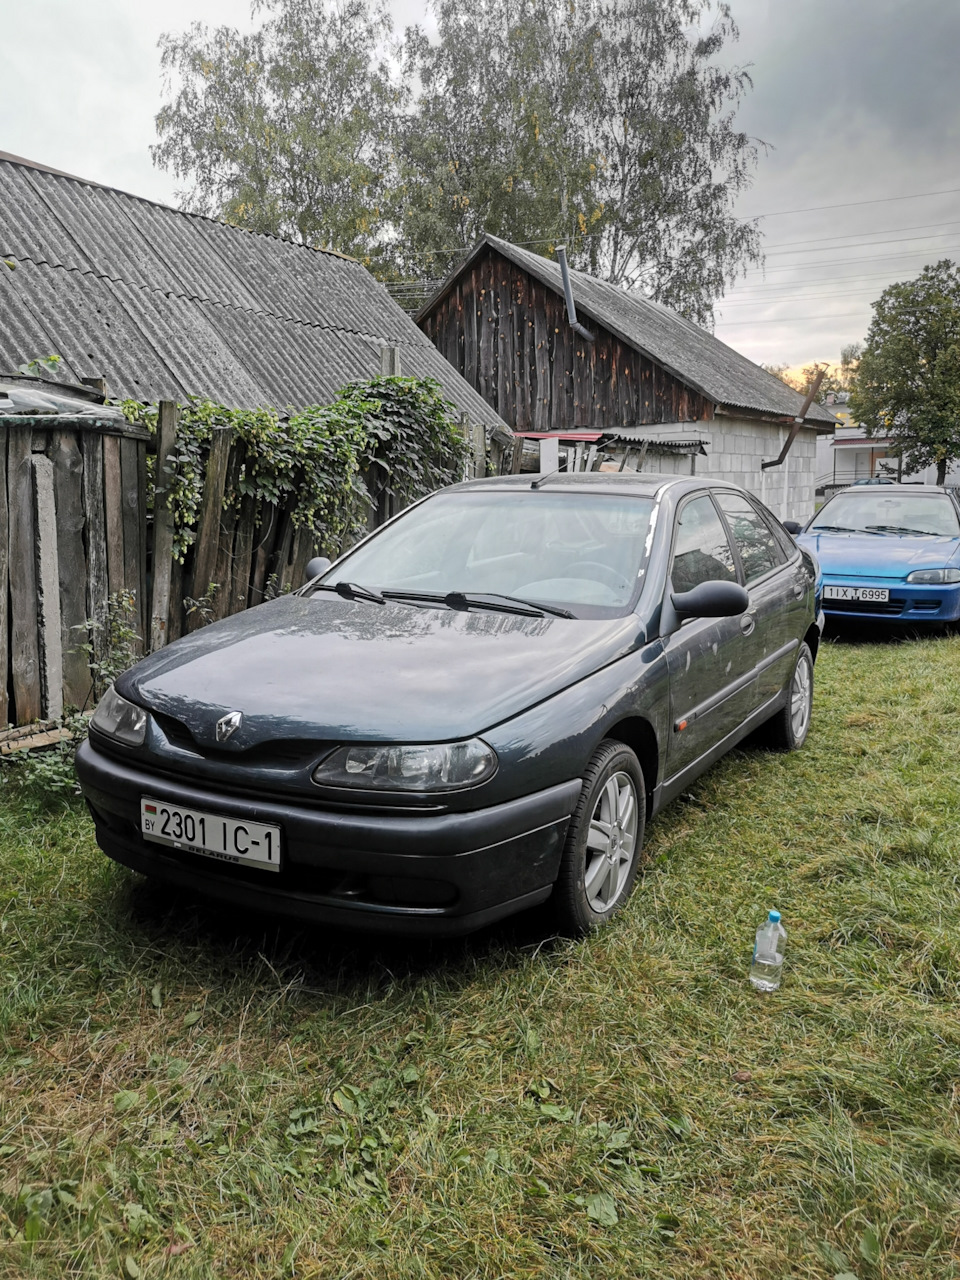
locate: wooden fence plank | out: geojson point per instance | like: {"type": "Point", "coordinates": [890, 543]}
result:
{"type": "Point", "coordinates": [94, 519]}
{"type": "Point", "coordinates": [208, 527]}
{"type": "Point", "coordinates": [132, 504]}
{"type": "Point", "coordinates": [113, 512]}
{"type": "Point", "coordinates": [68, 486]}
{"type": "Point", "coordinates": [24, 637]}
{"type": "Point", "coordinates": [243, 555]}
{"type": "Point", "coordinates": [229, 514]}
{"type": "Point", "coordinates": [4, 558]}
{"type": "Point", "coordinates": [162, 524]}
{"type": "Point", "coordinates": [48, 589]}
{"type": "Point", "coordinates": [268, 527]}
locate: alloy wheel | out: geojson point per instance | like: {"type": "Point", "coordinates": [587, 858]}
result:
{"type": "Point", "coordinates": [611, 842]}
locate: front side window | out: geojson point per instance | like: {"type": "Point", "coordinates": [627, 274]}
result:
{"type": "Point", "coordinates": [701, 549]}
{"type": "Point", "coordinates": [584, 552]}
{"type": "Point", "coordinates": [759, 551]}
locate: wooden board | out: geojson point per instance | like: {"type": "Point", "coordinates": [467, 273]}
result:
{"type": "Point", "coordinates": [91, 447]}
{"type": "Point", "coordinates": [67, 460]}
{"type": "Point", "coordinates": [113, 513]}
{"type": "Point", "coordinates": [229, 515]}
{"type": "Point", "coordinates": [24, 633]}
{"type": "Point", "coordinates": [4, 558]}
{"type": "Point", "coordinates": [208, 526]}
{"type": "Point", "coordinates": [131, 506]}
{"type": "Point", "coordinates": [48, 589]}
{"type": "Point", "coordinates": [243, 555]}
{"type": "Point", "coordinates": [162, 525]}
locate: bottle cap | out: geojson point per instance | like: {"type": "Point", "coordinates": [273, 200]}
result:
{"type": "Point", "coordinates": [774, 917]}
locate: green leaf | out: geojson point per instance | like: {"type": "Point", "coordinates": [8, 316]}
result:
{"type": "Point", "coordinates": [870, 1246]}
{"type": "Point", "coordinates": [667, 1224]}
{"type": "Point", "coordinates": [553, 1112]}
{"type": "Point", "coordinates": [410, 1075]}
{"type": "Point", "coordinates": [155, 997]}
{"type": "Point", "coordinates": [125, 1100]}
{"type": "Point", "coordinates": [130, 1267]}
{"type": "Point", "coordinates": [602, 1209]}
{"type": "Point", "coordinates": [844, 1275]}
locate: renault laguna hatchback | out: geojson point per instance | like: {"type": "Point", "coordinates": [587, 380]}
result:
{"type": "Point", "coordinates": [475, 710]}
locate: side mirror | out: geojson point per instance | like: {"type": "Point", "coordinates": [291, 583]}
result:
{"type": "Point", "coordinates": [711, 600]}
{"type": "Point", "coordinates": [792, 526]}
{"type": "Point", "coordinates": [318, 565]}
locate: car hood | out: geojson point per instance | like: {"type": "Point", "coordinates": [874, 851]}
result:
{"type": "Point", "coordinates": [323, 667]}
{"type": "Point", "coordinates": [886, 555]}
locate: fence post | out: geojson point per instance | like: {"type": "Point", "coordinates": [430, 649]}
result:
{"type": "Point", "coordinates": [162, 524]}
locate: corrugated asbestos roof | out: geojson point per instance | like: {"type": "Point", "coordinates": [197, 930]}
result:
{"type": "Point", "coordinates": [690, 353]}
{"type": "Point", "coordinates": [166, 304]}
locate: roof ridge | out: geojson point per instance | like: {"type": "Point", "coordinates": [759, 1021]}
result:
{"type": "Point", "coordinates": [217, 302]}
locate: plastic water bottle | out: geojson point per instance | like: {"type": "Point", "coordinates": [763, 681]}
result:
{"type": "Point", "coordinates": [768, 954]}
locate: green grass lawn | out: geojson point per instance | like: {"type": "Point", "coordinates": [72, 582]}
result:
{"type": "Point", "coordinates": [191, 1096]}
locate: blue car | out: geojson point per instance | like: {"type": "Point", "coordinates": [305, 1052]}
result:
{"type": "Point", "coordinates": [889, 553]}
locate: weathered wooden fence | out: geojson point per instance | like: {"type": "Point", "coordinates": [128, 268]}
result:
{"type": "Point", "coordinates": [75, 528]}
{"type": "Point", "coordinates": [72, 531]}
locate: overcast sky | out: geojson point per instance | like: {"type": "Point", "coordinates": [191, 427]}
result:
{"type": "Point", "coordinates": [857, 99]}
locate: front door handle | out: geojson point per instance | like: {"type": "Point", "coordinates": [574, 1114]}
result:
{"type": "Point", "coordinates": [747, 623]}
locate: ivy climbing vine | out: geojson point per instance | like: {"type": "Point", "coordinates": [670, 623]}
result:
{"type": "Point", "coordinates": [386, 436]}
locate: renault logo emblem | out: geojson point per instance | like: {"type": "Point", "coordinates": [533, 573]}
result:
{"type": "Point", "coordinates": [228, 725]}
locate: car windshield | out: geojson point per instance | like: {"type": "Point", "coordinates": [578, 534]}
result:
{"type": "Point", "coordinates": [879, 511]}
{"type": "Point", "coordinates": [577, 551]}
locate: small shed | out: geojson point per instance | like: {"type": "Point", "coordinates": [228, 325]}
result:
{"type": "Point", "coordinates": [501, 320]}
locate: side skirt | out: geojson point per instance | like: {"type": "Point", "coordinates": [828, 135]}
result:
{"type": "Point", "coordinates": [668, 790]}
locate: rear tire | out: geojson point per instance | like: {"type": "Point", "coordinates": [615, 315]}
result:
{"type": "Point", "coordinates": [602, 851]}
{"type": "Point", "coordinates": [788, 729]}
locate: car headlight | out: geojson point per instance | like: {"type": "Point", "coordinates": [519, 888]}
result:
{"type": "Point", "coordinates": [932, 576]}
{"type": "Point", "coordinates": [120, 719]}
{"type": "Point", "coordinates": [429, 768]}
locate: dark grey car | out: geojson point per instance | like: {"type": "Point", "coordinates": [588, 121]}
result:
{"type": "Point", "coordinates": [474, 710]}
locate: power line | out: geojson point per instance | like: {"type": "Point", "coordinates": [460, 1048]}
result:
{"type": "Point", "coordinates": [734, 324]}
{"type": "Point", "coordinates": [883, 231]}
{"type": "Point", "coordinates": [939, 235]}
{"type": "Point", "coordinates": [850, 204]}
{"type": "Point", "coordinates": [843, 262]}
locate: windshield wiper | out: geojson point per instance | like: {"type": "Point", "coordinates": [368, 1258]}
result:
{"type": "Point", "coordinates": [480, 598]}
{"type": "Point", "coordinates": [351, 591]}
{"type": "Point", "coordinates": [835, 528]}
{"type": "Point", "coordinates": [901, 528]}
{"type": "Point", "coordinates": [486, 600]}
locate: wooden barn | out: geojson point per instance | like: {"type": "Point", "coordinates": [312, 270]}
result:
{"type": "Point", "coordinates": [648, 376]}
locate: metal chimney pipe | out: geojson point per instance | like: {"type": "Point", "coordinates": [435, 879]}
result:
{"type": "Point", "coordinates": [575, 324]}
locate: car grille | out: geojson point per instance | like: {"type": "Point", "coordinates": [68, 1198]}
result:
{"type": "Point", "coordinates": [891, 607]}
{"type": "Point", "coordinates": [283, 752]}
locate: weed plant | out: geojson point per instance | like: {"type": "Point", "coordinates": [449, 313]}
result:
{"type": "Point", "coordinates": [188, 1094]}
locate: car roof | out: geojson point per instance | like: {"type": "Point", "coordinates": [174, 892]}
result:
{"type": "Point", "coordinates": [905, 488]}
{"type": "Point", "coordinates": [645, 484]}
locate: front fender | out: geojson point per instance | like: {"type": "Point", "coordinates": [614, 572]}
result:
{"type": "Point", "coordinates": [555, 740]}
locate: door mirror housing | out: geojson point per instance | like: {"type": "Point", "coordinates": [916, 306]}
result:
{"type": "Point", "coordinates": [318, 565]}
{"type": "Point", "coordinates": [711, 600]}
{"type": "Point", "coordinates": [792, 526]}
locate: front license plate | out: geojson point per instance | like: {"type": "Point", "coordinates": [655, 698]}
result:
{"type": "Point", "coordinates": [210, 834]}
{"type": "Point", "coordinates": [879, 594]}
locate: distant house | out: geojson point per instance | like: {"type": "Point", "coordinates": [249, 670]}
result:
{"type": "Point", "coordinates": [649, 376]}
{"type": "Point", "coordinates": [166, 304]}
{"type": "Point", "coordinates": [850, 454]}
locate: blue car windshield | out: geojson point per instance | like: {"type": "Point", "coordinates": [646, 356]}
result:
{"type": "Point", "coordinates": [878, 511]}
{"type": "Point", "coordinates": [578, 551]}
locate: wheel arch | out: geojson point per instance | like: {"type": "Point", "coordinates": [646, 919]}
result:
{"type": "Point", "coordinates": [639, 735]}
{"type": "Point", "coordinates": [812, 639]}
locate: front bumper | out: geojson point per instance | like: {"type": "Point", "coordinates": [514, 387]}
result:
{"type": "Point", "coordinates": [908, 603]}
{"type": "Point", "coordinates": [414, 873]}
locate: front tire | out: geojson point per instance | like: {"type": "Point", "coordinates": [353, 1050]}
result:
{"type": "Point", "coordinates": [602, 850]}
{"type": "Point", "coordinates": [788, 729]}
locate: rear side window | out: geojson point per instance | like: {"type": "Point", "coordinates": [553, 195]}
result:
{"type": "Point", "coordinates": [759, 549]}
{"type": "Point", "coordinates": [701, 549]}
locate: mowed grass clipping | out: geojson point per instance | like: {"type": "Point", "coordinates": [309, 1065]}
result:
{"type": "Point", "coordinates": [188, 1095]}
